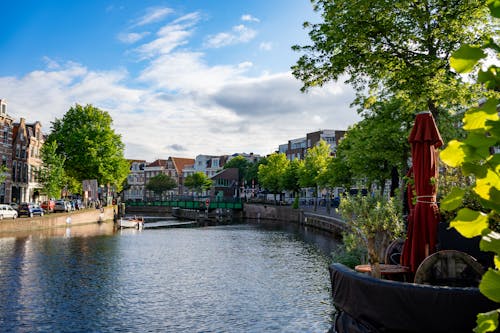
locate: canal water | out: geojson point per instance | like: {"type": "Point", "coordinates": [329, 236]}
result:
{"type": "Point", "coordinates": [248, 277]}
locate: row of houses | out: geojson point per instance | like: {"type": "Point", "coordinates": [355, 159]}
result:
{"type": "Point", "coordinates": [21, 142]}
{"type": "Point", "coordinates": [225, 180]}
{"type": "Point", "coordinates": [20, 145]}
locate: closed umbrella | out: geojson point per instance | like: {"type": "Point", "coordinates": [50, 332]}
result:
{"type": "Point", "coordinates": [422, 231]}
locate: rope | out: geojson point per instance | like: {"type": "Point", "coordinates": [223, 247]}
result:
{"type": "Point", "coordinates": [432, 197]}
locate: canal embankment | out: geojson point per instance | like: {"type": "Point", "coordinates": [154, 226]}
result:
{"type": "Point", "coordinates": [57, 220]}
{"type": "Point", "coordinates": [316, 219]}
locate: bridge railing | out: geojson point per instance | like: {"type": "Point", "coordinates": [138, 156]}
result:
{"type": "Point", "coordinates": [191, 203]}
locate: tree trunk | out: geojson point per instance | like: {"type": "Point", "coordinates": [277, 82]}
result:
{"type": "Point", "coordinates": [373, 258]}
{"type": "Point", "coordinates": [394, 181]}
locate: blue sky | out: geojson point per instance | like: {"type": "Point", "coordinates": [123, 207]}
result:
{"type": "Point", "coordinates": [179, 78]}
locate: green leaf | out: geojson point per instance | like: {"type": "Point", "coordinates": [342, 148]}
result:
{"type": "Point", "coordinates": [465, 58]}
{"type": "Point", "coordinates": [489, 77]}
{"type": "Point", "coordinates": [490, 242]}
{"type": "Point", "coordinates": [478, 170]}
{"type": "Point", "coordinates": [454, 154]}
{"type": "Point", "coordinates": [476, 118]}
{"type": "Point", "coordinates": [453, 200]}
{"type": "Point", "coordinates": [490, 285]}
{"type": "Point", "coordinates": [494, 8]}
{"type": "Point", "coordinates": [487, 322]}
{"type": "Point", "coordinates": [470, 223]}
{"type": "Point", "coordinates": [488, 187]}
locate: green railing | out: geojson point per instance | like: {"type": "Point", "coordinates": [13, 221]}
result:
{"type": "Point", "coordinates": [191, 204]}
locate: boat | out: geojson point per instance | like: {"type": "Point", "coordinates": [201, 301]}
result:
{"type": "Point", "coordinates": [368, 305]}
{"type": "Point", "coordinates": [137, 223]}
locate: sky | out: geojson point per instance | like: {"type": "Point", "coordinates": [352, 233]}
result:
{"type": "Point", "coordinates": [179, 78]}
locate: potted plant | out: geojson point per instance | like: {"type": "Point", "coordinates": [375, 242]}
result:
{"type": "Point", "coordinates": [374, 222]}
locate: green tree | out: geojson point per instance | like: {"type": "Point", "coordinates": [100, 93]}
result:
{"type": "Point", "coordinates": [272, 172]}
{"type": "Point", "coordinates": [290, 179]}
{"type": "Point", "coordinates": [252, 174]}
{"type": "Point", "coordinates": [161, 183]}
{"type": "Point", "coordinates": [373, 221]}
{"type": "Point", "coordinates": [313, 172]}
{"type": "Point", "coordinates": [378, 144]}
{"type": "Point", "coordinates": [338, 172]}
{"type": "Point", "coordinates": [474, 156]}
{"type": "Point", "coordinates": [52, 175]}
{"type": "Point", "coordinates": [241, 164]}
{"type": "Point", "coordinates": [90, 147]}
{"type": "Point", "coordinates": [395, 48]}
{"type": "Point", "coordinates": [198, 182]}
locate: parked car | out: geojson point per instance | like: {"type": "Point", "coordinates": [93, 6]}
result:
{"type": "Point", "coordinates": [6, 211]}
{"type": "Point", "coordinates": [62, 206]}
{"type": "Point", "coordinates": [30, 209]}
{"type": "Point", "coordinates": [14, 205]}
{"type": "Point", "coordinates": [48, 205]}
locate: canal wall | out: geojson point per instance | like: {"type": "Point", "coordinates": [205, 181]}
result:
{"type": "Point", "coordinates": [150, 210]}
{"type": "Point", "coordinates": [271, 212]}
{"type": "Point", "coordinates": [55, 220]}
{"type": "Point", "coordinates": [287, 214]}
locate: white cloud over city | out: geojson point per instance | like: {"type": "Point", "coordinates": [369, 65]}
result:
{"type": "Point", "coordinates": [179, 104]}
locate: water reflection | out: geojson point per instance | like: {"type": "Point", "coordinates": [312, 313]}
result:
{"type": "Point", "coordinates": [238, 278]}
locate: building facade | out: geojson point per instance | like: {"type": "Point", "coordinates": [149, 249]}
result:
{"type": "Point", "coordinates": [297, 148]}
{"type": "Point", "coordinates": [6, 127]}
{"type": "Point", "coordinates": [135, 181]}
{"type": "Point", "coordinates": [27, 141]}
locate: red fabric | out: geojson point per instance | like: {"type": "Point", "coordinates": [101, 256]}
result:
{"type": "Point", "coordinates": [422, 225]}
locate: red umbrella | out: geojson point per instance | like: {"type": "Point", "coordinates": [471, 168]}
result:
{"type": "Point", "coordinates": [422, 229]}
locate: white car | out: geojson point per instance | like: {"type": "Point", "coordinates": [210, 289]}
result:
{"type": "Point", "coordinates": [62, 206]}
{"type": "Point", "coordinates": [6, 211]}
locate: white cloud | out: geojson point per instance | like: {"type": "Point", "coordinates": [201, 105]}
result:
{"type": "Point", "coordinates": [153, 14]}
{"type": "Point", "coordinates": [184, 106]}
{"type": "Point", "coordinates": [266, 46]}
{"type": "Point", "coordinates": [187, 73]}
{"type": "Point", "coordinates": [238, 34]}
{"type": "Point", "coordinates": [132, 37]}
{"type": "Point", "coordinates": [249, 18]}
{"type": "Point", "coordinates": [170, 36]}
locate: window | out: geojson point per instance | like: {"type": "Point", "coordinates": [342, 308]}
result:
{"type": "Point", "coordinates": [6, 136]}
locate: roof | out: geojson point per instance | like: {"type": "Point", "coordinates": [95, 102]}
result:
{"type": "Point", "coordinates": [136, 161]}
{"type": "Point", "coordinates": [180, 163]}
{"type": "Point", "coordinates": [158, 163]}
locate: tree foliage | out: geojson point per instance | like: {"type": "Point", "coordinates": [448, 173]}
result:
{"type": "Point", "coordinates": [241, 163]}
{"type": "Point", "coordinates": [271, 173]}
{"type": "Point", "coordinates": [198, 182]}
{"type": "Point", "coordinates": [52, 175]}
{"type": "Point", "coordinates": [373, 221]}
{"type": "Point", "coordinates": [396, 48]}
{"type": "Point", "coordinates": [313, 171]}
{"type": "Point", "coordinates": [90, 147]}
{"type": "Point", "coordinates": [290, 178]}
{"type": "Point", "coordinates": [160, 184]}
{"type": "Point", "coordinates": [475, 158]}
{"type": "Point", "coordinates": [377, 144]}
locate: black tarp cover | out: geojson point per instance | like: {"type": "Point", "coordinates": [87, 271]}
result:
{"type": "Point", "coordinates": [365, 305]}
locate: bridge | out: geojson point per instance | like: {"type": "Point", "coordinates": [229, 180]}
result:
{"type": "Point", "coordinates": [191, 203]}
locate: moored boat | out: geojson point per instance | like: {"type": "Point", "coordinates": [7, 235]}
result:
{"type": "Point", "coordinates": [131, 223]}
{"type": "Point", "coordinates": [368, 305]}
